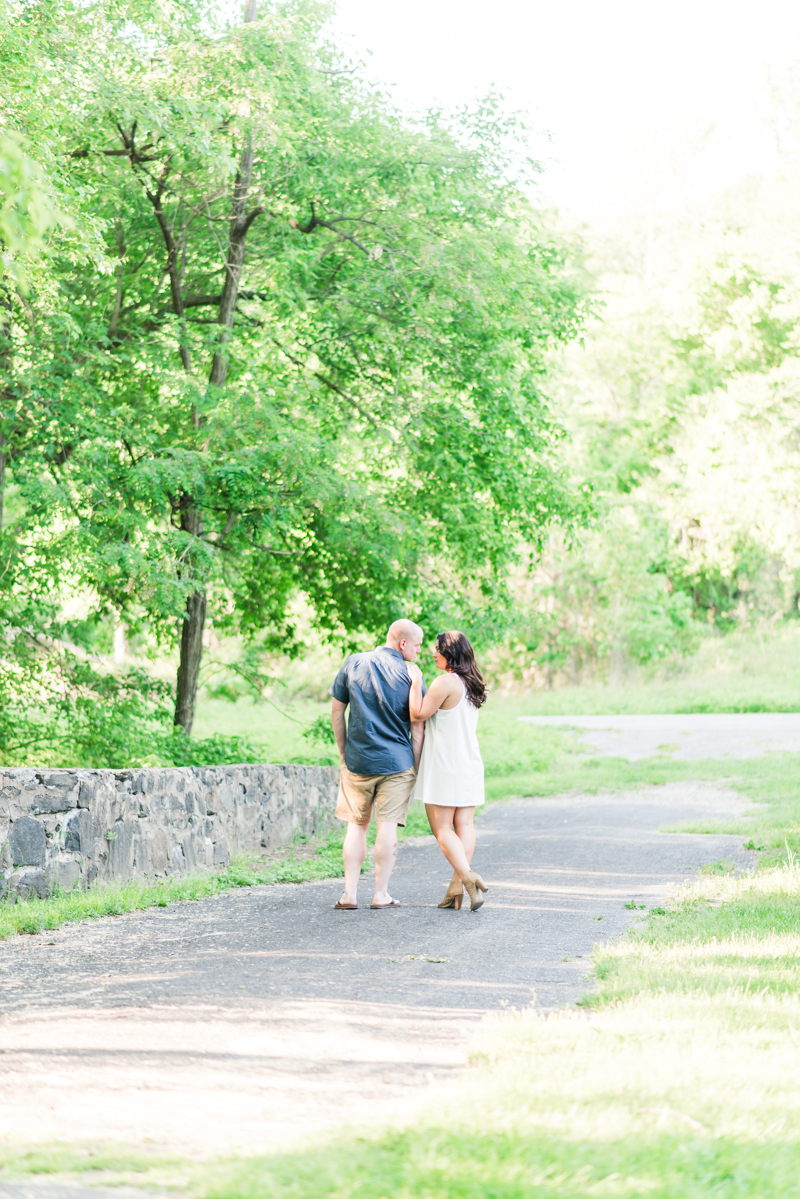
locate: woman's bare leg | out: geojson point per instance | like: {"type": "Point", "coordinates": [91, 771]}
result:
{"type": "Point", "coordinates": [464, 822]}
{"type": "Point", "coordinates": [441, 821]}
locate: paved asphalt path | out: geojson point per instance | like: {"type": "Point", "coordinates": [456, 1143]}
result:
{"type": "Point", "coordinates": [686, 737]}
{"type": "Point", "coordinates": [560, 873]}
{"type": "Point", "coordinates": [247, 1021]}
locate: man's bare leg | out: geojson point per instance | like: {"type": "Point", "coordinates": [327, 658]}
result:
{"type": "Point", "coordinates": [354, 851]}
{"type": "Point", "coordinates": [385, 857]}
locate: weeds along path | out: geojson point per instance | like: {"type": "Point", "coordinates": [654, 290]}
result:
{"type": "Point", "coordinates": [250, 1020]}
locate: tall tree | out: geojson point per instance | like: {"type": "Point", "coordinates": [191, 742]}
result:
{"type": "Point", "coordinates": [310, 357]}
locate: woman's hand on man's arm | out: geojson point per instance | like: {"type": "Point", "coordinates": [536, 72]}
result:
{"type": "Point", "coordinates": [415, 693]}
{"type": "Point", "coordinates": [423, 707]}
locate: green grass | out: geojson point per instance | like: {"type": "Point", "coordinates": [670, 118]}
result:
{"type": "Point", "coordinates": [276, 728]}
{"type": "Point", "coordinates": [430, 1163]}
{"type": "Point", "coordinates": [721, 936]}
{"type": "Point", "coordinates": [755, 670]}
{"type": "Point", "coordinates": [450, 1164]}
{"type": "Point", "coordinates": [77, 1159]}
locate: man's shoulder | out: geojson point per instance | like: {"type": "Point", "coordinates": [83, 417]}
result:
{"type": "Point", "coordinates": [381, 661]}
{"type": "Point", "coordinates": [357, 664]}
{"type": "Point", "coordinates": [357, 659]}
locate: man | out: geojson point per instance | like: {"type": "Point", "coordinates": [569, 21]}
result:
{"type": "Point", "coordinates": [380, 751]}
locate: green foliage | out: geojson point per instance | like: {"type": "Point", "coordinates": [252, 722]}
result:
{"type": "Point", "coordinates": [744, 323]}
{"type": "Point", "coordinates": [372, 435]}
{"type": "Point", "coordinates": [26, 210]}
{"type": "Point", "coordinates": [61, 710]}
{"type": "Point", "coordinates": [681, 405]}
{"type": "Point", "coordinates": [321, 731]}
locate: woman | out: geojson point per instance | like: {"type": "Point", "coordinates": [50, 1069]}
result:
{"type": "Point", "coordinates": [450, 778]}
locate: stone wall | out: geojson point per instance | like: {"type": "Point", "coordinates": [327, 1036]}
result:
{"type": "Point", "coordinates": [66, 828]}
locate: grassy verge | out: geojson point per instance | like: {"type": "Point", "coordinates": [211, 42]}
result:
{"type": "Point", "coordinates": [299, 864]}
{"type": "Point", "coordinates": [322, 860]}
{"type": "Point", "coordinates": [676, 1079]}
{"type": "Point", "coordinates": [113, 1162]}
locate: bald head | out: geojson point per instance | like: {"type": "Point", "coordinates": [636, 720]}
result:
{"type": "Point", "coordinates": [406, 637]}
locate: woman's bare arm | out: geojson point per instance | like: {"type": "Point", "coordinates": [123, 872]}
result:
{"type": "Point", "coordinates": [422, 708]}
{"type": "Point", "coordinates": [417, 741]}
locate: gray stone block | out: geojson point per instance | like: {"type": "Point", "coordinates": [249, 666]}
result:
{"type": "Point", "coordinates": [58, 791]}
{"type": "Point", "coordinates": [64, 874]}
{"type": "Point", "coordinates": [31, 884]}
{"type": "Point", "coordinates": [28, 842]}
{"type": "Point", "coordinates": [159, 851]}
{"type": "Point", "coordinates": [189, 855]}
{"type": "Point", "coordinates": [120, 849]}
{"type": "Point", "coordinates": [78, 832]}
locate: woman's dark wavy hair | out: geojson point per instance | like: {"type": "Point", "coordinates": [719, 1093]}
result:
{"type": "Point", "coordinates": [457, 652]}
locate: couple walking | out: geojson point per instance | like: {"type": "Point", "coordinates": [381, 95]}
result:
{"type": "Point", "coordinates": [403, 742]}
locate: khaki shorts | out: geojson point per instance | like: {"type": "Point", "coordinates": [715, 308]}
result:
{"type": "Point", "coordinates": [389, 793]}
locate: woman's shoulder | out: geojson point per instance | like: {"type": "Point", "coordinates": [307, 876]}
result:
{"type": "Point", "coordinates": [450, 688]}
{"type": "Point", "coordinates": [444, 684]}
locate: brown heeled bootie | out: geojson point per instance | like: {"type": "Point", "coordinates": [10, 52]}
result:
{"type": "Point", "coordinates": [453, 896]}
{"type": "Point", "coordinates": [473, 885]}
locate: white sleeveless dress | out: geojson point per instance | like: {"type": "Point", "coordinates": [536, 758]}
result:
{"type": "Point", "coordinates": [451, 768]}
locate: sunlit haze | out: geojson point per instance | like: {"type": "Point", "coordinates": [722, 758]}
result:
{"type": "Point", "coordinates": [621, 86]}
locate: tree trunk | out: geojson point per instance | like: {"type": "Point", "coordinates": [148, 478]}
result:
{"type": "Point", "coordinates": [191, 654]}
{"type": "Point", "coordinates": [191, 635]}
{"type": "Point", "coordinates": [237, 240]}
{"type": "Point", "coordinates": [195, 617]}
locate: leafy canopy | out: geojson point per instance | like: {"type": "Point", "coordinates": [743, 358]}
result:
{"type": "Point", "coordinates": [289, 343]}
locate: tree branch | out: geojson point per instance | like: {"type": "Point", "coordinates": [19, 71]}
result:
{"type": "Point", "coordinates": [172, 265]}
{"type": "Point", "coordinates": [339, 391]}
{"type": "Point", "coordinates": [316, 223]}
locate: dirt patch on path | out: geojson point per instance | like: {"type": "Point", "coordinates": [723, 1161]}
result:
{"type": "Point", "coordinates": [221, 1080]}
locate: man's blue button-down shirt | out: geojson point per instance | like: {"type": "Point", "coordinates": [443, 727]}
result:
{"type": "Point", "coordinates": [376, 686]}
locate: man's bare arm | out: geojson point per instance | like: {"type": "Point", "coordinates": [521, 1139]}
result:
{"type": "Point", "coordinates": [417, 739]}
{"type": "Point", "coordinates": [339, 726]}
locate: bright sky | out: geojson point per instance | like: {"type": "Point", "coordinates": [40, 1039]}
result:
{"type": "Point", "coordinates": [638, 96]}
